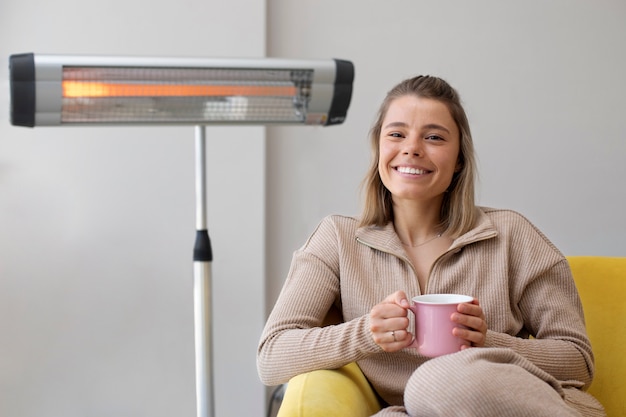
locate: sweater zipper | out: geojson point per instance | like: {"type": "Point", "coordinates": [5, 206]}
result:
{"type": "Point", "coordinates": [453, 249]}
{"type": "Point", "coordinates": [401, 257]}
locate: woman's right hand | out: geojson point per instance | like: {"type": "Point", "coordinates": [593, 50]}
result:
{"type": "Point", "coordinates": [389, 322]}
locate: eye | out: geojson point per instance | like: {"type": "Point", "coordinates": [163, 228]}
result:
{"type": "Point", "coordinates": [434, 137]}
{"type": "Point", "coordinates": [397, 135]}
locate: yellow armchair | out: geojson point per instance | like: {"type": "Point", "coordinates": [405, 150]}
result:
{"type": "Point", "coordinates": [601, 282]}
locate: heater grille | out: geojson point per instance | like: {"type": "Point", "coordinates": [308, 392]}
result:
{"type": "Point", "coordinates": [184, 95]}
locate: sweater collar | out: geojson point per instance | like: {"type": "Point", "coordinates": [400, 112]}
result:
{"type": "Point", "coordinates": [386, 239]}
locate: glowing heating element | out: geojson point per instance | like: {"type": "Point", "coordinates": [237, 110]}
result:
{"type": "Point", "coordinates": [49, 90]}
{"type": "Point", "coordinates": [165, 95]}
{"type": "Point", "coordinates": [77, 89]}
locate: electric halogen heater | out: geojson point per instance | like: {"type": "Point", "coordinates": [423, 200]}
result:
{"type": "Point", "coordinates": [60, 90]}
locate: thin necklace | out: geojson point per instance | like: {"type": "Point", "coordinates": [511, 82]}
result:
{"type": "Point", "coordinates": [423, 243]}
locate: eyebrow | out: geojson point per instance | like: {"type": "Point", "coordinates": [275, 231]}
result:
{"type": "Point", "coordinates": [428, 126]}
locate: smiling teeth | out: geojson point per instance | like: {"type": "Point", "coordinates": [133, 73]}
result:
{"type": "Point", "coordinates": [407, 170]}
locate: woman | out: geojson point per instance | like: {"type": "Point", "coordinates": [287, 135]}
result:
{"type": "Point", "coordinates": [420, 232]}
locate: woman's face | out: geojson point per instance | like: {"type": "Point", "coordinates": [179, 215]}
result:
{"type": "Point", "coordinates": [419, 149]}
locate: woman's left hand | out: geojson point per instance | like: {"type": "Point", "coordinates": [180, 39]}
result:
{"type": "Point", "coordinates": [471, 316]}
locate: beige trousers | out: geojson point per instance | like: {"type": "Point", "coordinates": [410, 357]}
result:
{"type": "Point", "coordinates": [485, 382]}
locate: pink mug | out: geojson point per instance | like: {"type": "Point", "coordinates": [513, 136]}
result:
{"type": "Point", "coordinates": [433, 325]}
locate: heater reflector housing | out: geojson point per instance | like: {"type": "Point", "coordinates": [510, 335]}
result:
{"type": "Point", "coordinates": [53, 90]}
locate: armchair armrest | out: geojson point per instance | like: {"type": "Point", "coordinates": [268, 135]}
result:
{"type": "Point", "coordinates": [341, 392]}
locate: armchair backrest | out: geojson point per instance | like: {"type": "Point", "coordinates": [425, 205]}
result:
{"type": "Point", "coordinates": [601, 282]}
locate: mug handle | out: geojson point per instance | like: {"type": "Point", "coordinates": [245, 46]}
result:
{"type": "Point", "coordinates": [413, 309]}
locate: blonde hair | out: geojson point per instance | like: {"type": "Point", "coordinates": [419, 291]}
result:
{"type": "Point", "coordinates": [458, 209]}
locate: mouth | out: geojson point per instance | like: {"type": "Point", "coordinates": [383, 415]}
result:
{"type": "Point", "coordinates": [411, 171]}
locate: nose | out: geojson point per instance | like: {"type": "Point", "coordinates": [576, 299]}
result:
{"type": "Point", "coordinates": [413, 146]}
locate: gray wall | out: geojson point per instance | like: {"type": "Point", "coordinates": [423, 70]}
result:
{"type": "Point", "coordinates": [96, 225]}
{"type": "Point", "coordinates": [543, 85]}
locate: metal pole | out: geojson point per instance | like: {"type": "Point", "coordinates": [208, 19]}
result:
{"type": "Point", "coordinates": [202, 258]}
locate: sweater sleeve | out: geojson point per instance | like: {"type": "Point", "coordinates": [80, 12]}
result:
{"type": "Point", "coordinates": [293, 341]}
{"type": "Point", "coordinates": [554, 318]}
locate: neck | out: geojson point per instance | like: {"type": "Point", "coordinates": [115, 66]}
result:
{"type": "Point", "coordinates": [416, 223]}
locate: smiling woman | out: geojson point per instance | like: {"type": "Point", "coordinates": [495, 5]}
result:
{"type": "Point", "coordinates": [421, 233]}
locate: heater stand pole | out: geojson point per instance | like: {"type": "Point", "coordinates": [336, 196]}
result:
{"type": "Point", "coordinates": [202, 258]}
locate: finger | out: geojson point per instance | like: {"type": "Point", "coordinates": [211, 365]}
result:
{"type": "Point", "coordinates": [477, 323]}
{"type": "Point", "coordinates": [474, 328]}
{"type": "Point", "coordinates": [388, 311]}
{"type": "Point", "coordinates": [385, 337]}
{"type": "Point", "coordinates": [400, 335]}
{"type": "Point", "coordinates": [392, 341]}
{"type": "Point", "coordinates": [472, 337]}
{"type": "Point", "coordinates": [382, 325]}
{"type": "Point", "coordinates": [399, 298]}
{"type": "Point", "coordinates": [472, 309]}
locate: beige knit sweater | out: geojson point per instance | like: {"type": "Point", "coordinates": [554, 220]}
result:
{"type": "Point", "coordinates": [522, 281]}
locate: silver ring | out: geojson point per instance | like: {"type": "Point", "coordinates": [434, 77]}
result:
{"type": "Point", "coordinates": [393, 333]}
